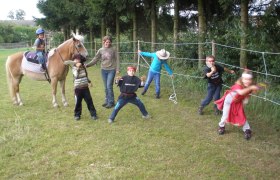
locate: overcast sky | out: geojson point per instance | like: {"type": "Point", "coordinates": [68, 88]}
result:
{"type": "Point", "coordinates": [29, 7]}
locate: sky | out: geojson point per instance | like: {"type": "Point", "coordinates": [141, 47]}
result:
{"type": "Point", "coordinates": [29, 7]}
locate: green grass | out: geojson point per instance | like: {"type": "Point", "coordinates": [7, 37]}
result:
{"type": "Point", "coordinates": [38, 141]}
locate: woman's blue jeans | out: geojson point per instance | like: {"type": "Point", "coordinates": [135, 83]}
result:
{"type": "Point", "coordinates": [108, 80]}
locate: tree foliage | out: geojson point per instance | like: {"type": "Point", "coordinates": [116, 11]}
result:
{"type": "Point", "coordinates": [134, 20]}
{"type": "Point", "coordinates": [13, 33]}
{"type": "Point", "coordinates": [16, 15]}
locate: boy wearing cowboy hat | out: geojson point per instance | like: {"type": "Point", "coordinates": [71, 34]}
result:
{"type": "Point", "coordinates": [128, 86]}
{"type": "Point", "coordinates": [159, 58]}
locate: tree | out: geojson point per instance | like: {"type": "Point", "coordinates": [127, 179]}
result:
{"type": "Point", "coordinates": [153, 24]}
{"type": "Point", "coordinates": [11, 15]}
{"type": "Point", "coordinates": [244, 34]}
{"type": "Point", "coordinates": [175, 23]}
{"type": "Point", "coordinates": [20, 14]}
{"type": "Point", "coordinates": [201, 31]}
{"type": "Point", "coordinates": [16, 15]}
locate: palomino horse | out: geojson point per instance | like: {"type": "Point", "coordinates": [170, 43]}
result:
{"type": "Point", "coordinates": [56, 69]}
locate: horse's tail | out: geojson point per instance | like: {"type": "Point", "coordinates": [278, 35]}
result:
{"type": "Point", "coordinates": [9, 76]}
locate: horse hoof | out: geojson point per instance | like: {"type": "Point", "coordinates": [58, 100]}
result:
{"type": "Point", "coordinates": [20, 104]}
{"type": "Point", "coordinates": [65, 104]}
{"type": "Point", "coordinates": [55, 105]}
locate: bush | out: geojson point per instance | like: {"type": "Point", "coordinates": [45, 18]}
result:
{"type": "Point", "coordinates": [15, 33]}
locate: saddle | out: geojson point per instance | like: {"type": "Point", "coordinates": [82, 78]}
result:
{"type": "Point", "coordinates": [32, 57]}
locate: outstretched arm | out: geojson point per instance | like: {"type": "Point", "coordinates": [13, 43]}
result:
{"type": "Point", "coordinates": [94, 60]}
{"type": "Point", "coordinates": [147, 54]}
{"type": "Point", "coordinates": [168, 69]}
{"type": "Point", "coordinates": [229, 71]}
{"type": "Point", "coordinates": [247, 90]}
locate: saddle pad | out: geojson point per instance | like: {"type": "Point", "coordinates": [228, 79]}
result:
{"type": "Point", "coordinates": [30, 66]}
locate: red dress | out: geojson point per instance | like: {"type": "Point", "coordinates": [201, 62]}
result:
{"type": "Point", "coordinates": [236, 115]}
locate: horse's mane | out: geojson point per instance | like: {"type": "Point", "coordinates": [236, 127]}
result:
{"type": "Point", "coordinates": [75, 36]}
{"type": "Point", "coordinates": [52, 51]}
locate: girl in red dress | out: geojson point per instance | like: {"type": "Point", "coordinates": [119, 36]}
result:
{"type": "Point", "coordinates": [233, 101]}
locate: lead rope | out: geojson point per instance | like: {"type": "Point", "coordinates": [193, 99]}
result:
{"type": "Point", "coordinates": [173, 97]}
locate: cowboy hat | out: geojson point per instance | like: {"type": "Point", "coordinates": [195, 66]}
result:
{"type": "Point", "coordinates": [163, 54]}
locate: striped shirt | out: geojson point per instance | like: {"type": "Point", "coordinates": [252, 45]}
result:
{"type": "Point", "coordinates": [80, 77]}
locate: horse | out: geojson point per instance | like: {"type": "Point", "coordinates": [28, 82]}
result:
{"type": "Point", "coordinates": [56, 69]}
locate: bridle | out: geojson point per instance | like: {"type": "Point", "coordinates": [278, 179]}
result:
{"type": "Point", "coordinates": [76, 46]}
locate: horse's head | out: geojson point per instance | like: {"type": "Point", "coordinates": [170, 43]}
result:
{"type": "Point", "coordinates": [72, 46]}
{"type": "Point", "coordinates": [78, 41]}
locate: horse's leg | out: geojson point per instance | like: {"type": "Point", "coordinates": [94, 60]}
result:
{"type": "Point", "coordinates": [15, 91]}
{"type": "Point", "coordinates": [62, 85]}
{"type": "Point", "coordinates": [19, 99]}
{"type": "Point", "coordinates": [54, 88]}
{"type": "Point", "coordinates": [14, 76]}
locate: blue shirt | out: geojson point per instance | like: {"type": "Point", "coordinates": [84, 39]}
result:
{"type": "Point", "coordinates": [38, 42]}
{"type": "Point", "coordinates": [157, 63]}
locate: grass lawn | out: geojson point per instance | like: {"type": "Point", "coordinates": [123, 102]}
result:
{"type": "Point", "coordinates": [38, 141]}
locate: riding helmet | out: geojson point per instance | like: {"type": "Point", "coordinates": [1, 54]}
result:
{"type": "Point", "coordinates": [40, 31]}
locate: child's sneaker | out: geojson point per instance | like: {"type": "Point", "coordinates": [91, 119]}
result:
{"type": "Point", "coordinates": [247, 134]}
{"type": "Point", "coordinates": [221, 130]}
{"type": "Point", "coordinates": [108, 106]}
{"type": "Point", "coordinates": [110, 121]}
{"type": "Point", "coordinates": [94, 117]}
{"type": "Point", "coordinates": [200, 110]}
{"type": "Point", "coordinates": [143, 93]}
{"type": "Point", "coordinates": [146, 117]}
{"type": "Point", "coordinates": [77, 118]}
{"type": "Point", "coordinates": [42, 67]}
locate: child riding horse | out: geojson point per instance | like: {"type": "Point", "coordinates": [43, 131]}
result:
{"type": "Point", "coordinates": [56, 68]}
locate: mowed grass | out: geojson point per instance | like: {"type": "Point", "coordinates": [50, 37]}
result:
{"type": "Point", "coordinates": [38, 141]}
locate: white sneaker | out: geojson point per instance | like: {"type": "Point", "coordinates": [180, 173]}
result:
{"type": "Point", "coordinates": [110, 121]}
{"type": "Point", "coordinates": [146, 117]}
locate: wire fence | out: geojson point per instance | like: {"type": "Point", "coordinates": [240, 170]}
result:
{"type": "Point", "coordinates": [15, 45]}
{"type": "Point", "coordinates": [185, 58]}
